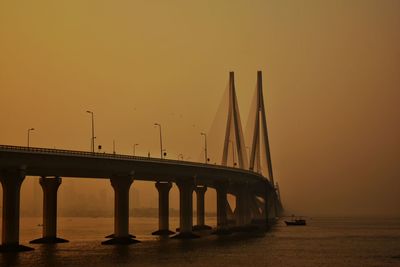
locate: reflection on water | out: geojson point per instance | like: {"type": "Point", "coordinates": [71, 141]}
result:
{"type": "Point", "coordinates": [323, 242]}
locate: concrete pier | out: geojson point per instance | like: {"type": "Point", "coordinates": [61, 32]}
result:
{"type": "Point", "coordinates": [50, 188]}
{"type": "Point", "coordinates": [186, 187]}
{"type": "Point", "coordinates": [121, 186]}
{"type": "Point", "coordinates": [269, 206]}
{"type": "Point", "coordinates": [11, 182]}
{"type": "Point", "coordinates": [163, 208]}
{"type": "Point", "coordinates": [242, 206]}
{"type": "Point", "coordinates": [200, 210]}
{"type": "Point", "coordinates": [273, 207]}
{"type": "Point", "coordinates": [222, 205]}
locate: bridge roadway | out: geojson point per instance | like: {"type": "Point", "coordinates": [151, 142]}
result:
{"type": "Point", "coordinates": [17, 162]}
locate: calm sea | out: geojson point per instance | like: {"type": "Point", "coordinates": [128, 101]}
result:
{"type": "Point", "coordinates": [323, 242]}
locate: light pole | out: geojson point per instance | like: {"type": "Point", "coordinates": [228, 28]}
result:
{"type": "Point", "coordinates": [134, 146]}
{"type": "Point", "coordinates": [161, 149]}
{"type": "Point", "coordinates": [205, 147]}
{"type": "Point", "coordinates": [91, 113]}
{"type": "Point", "coordinates": [29, 133]}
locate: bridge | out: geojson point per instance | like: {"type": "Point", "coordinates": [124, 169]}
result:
{"type": "Point", "coordinates": [250, 181]}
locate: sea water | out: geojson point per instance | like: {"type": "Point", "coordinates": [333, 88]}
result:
{"type": "Point", "coordinates": [323, 242]}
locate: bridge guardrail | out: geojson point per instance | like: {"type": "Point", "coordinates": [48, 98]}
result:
{"type": "Point", "coordinates": [64, 152]}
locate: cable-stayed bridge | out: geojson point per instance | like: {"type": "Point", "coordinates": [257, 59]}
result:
{"type": "Point", "coordinates": [248, 177]}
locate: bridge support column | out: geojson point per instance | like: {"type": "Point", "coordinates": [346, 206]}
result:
{"type": "Point", "coordinates": [242, 206]}
{"type": "Point", "coordinates": [200, 192]}
{"type": "Point", "coordinates": [50, 188]}
{"type": "Point", "coordinates": [186, 187]}
{"type": "Point", "coordinates": [121, 185]}
{"type": "Point", "coordinates": [269, 206]}
{"type": "Point", "coordinates": [222, 205]}
{"type": "Point", "coordinates": [276, 204]}
{"type": "Point", "coordinates": [274, 209]}
{"type": "Point", "coordinates": [163, 208]}
{"type": "Point", "coordinates": [11, 182]}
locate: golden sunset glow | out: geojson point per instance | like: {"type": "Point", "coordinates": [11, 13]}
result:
{"type": "Point", "coordinates": [331, 85]}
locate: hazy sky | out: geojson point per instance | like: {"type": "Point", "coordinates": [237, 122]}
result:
{"type": "Point", "coordinates": [331, 78]}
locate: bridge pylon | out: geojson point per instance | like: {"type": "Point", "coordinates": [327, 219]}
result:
{"type": "Point", "coordinates": [260, 155]}
{"type": "Point", "coordinates": [234, 140]}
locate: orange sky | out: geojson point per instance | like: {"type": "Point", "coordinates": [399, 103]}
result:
{"type": "Point", "coordinates": [331, 78]}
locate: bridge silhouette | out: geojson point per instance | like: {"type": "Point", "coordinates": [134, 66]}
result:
{"type": "Point", "coordinates": [250, 180]}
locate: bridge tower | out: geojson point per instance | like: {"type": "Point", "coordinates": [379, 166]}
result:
{"type": "Point", "coordinates": [234, 141]}
{"type": "Point", "coordinates": [260, 156]}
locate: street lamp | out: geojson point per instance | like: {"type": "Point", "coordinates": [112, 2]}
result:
{"type": "Point", "coordinates": [91, 113]}
{"type": "Point", "coordinates": [205, 147]}
{"type": "Point", "coordinates": [161, 148]}
{"type": "Point", "coordinates": [29, 133]}
{"type": "Point", "coordinates": [134, 146]}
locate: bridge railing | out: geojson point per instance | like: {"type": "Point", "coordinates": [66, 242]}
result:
{"type": "Point", "coordinates": [64, 152]}
{"type": "Point", "coordinates": [67, 152]}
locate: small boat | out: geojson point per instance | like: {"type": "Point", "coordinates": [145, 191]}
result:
{"type": "Point", "coordinates": [295, 221]}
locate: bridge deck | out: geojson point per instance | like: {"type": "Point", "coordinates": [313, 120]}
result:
{"type": "Point", "coordinates": [71, 163]}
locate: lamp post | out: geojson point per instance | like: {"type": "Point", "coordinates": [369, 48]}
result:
{"type": "Point", "coordinates": [205, 147]}
{"type": "Point", "coordinates": [29, 133]}
{"type": "Point", "coordinates": [93, 137]}
{"type": "Point", "coordinates": [134, 148]}
{"type": "Point", "coordinates": [161, 148]}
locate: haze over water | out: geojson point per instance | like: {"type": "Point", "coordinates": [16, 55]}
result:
{"type": "Point", "coordinates": [331, 86]}
{"type": "Point", "coordinates": [331, 73]}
